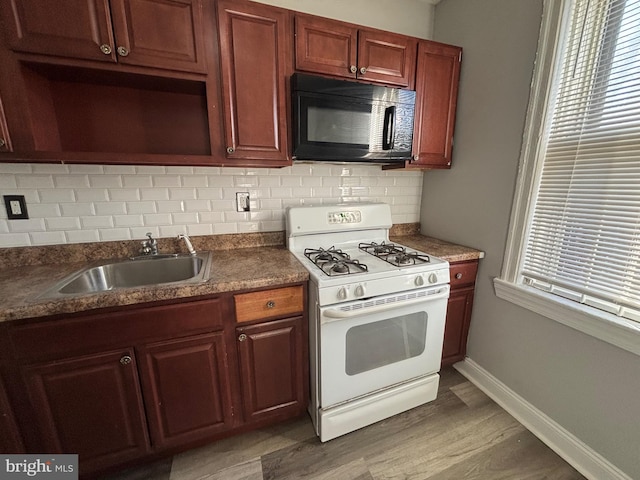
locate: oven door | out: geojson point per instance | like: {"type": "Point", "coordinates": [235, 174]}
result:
{"type": "Point", "coordinates": [369, 345]}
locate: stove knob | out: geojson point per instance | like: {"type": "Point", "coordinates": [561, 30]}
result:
{"type": "Point", "coordinates": [359, 291]}
{"type": "Point", "coordinates": [342, 294]}
{"type": "Point", "coordinates": [419, 281]}
{"type": "Point", "coordinates": [433, 278]}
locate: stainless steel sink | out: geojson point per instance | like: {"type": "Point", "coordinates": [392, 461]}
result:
{"type": "Point", "coordinates": [135, 273]}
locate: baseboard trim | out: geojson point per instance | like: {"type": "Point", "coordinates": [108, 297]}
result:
{"type": "Point", "coordinates": [579, 455]}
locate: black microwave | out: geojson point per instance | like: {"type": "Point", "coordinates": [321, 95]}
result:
{"type": "Point", "coordinates": [346, 121]}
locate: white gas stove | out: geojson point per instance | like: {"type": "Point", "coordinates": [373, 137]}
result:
{"type": "Point", "coordinates": [376, 311]}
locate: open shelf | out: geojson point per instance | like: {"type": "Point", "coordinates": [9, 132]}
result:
{"type": "Point", "coordinates": [82, 110]}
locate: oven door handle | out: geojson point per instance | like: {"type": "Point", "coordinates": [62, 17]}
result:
{"type": "Point", "coordinates": [336, 313]}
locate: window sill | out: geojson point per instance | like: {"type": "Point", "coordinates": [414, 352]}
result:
{"type": "Point", "coordinates": [609, 328]}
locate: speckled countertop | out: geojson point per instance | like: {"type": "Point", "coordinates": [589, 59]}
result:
{"type": "Point", "coordinates": [263, 261]}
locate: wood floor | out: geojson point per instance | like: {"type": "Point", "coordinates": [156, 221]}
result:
{"type": "Point", "coordinates": [461, 435]}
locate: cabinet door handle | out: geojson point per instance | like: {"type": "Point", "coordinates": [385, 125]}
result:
{"type": "Point", "coordinates": [458, 276]}
{"type": "Point", "coordinates": [106, 49]}
{"type": "Point", "coordinates": [271, 304]}
{"type": "Point", "coordinates": [123, 52]}
{"type": "Point", "coordinates": [125, 360]}
{"type": "Point", "coordinates": [353, 69]}
{"type": "Point", "coordinates": [2, 142]}
{"type": "Point", "coordinates": [363, 70]}
{"type": "Point", "coordinates": [230, 150]}
{"type": "Point", "coordinates": [242, 337]}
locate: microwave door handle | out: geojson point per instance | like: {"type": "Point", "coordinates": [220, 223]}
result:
{"type": "Point", "coordinates": [389, 128]}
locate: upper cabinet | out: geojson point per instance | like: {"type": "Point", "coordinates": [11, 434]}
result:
{"type": "Point", "coordinates": [151, 33]}
{"type": "Point", "coordinates": [437, 77]}
{"type": "Point", "coordinates": [255, 69]}
{"type": "Point", "coordinates": [340, 49]}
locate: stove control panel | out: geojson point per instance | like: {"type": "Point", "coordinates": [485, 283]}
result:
{"type": "Point", "coordinates": [350, 216]}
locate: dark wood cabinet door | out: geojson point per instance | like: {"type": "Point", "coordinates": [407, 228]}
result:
{"type": "Point", "coordinates": [340, 49]}
{"type": "Point", "coordinates": [255, 64]}
{"type": "Point", "coordinates": [67, 28]}
{"type": "Point", "coordinates": [91, 406]}
{"type": "Point", "coordinates": [387, 58]}
{"type": "Point", "coordinates": [456, 329]}
{"type": "Point", "coordinates": [10, 439]}
{"type": "Point", "coordinates": [437, 76]}
{"type": "Point", "coordinates": [5, 139]}
{"type": "Point", "coordinates": [272, 359]}
{"type": "Point", "coordinates": [325, 46]}
{"type": "Point", "coordinates": [159, 33]}
{"type": "Point", "coordinates": [186, 389]}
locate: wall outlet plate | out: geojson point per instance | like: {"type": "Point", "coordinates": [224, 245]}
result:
{"type": "Point", "coordinates": [242, 202]}
{"type": "Point", "coordinates": [16, 207]}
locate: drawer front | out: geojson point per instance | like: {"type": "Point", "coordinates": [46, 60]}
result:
{"type": "Point", "coordinates": [269, 303]}
{"type": "Point", "coordinates": [463, 273]}
{"type": "Point", "coordinates": [63, 337]}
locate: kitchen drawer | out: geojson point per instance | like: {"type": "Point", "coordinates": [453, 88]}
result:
{"type": "Point", "coordinates": [269, 303]}
{"type": "Point", "coordinates": [463, 273]}
{"type": "Point", "coordinates": [91, 332]}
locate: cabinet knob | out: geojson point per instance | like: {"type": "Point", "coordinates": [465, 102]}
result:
{"type": "Point", "coordinates": [230, 150]}
{"type": "Point", "coordinates": [242, 337]}
{"type": "Point", "coordinates": [458, 276]}
{"type": "Point", "coordinates": [363, 70]}
{"type": "Point", "coordinates": [353, 69]}
{"type": "Point", "coordinates": [271, 304]}
{"type": "Point", "coordinates": [123, 52]}
{"type": "Point", "coordinates": [125, 360]}
{"type": "Point", "coordinates": [2, 142]}
{"type": "Point", "coordinates": [106, 49]}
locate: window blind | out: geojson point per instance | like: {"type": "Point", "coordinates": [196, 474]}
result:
{"type": "Point", "coordinates": [583, 241]}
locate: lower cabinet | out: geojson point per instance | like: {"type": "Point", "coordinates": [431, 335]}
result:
{"type": "Point", "coordinates": [187, 388]}
{"type": "Point", "coordinates": [463, 278]}
{"type": "Point", "coordinates": [89, 405]}
{"type": "Point", "coordinates": [135, 382]}
{"type": "Point", "coordinates": [271, 357]}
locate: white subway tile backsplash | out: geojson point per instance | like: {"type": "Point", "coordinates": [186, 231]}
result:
{"type": "Point", "coordinates": [91, 194]}
{"type": "Point", "coordinates": [112, 234]}
{"type": "Point", "coordinates": [154, 194]}
{"type": "Point", "coordinates": [86, 203]}
{"type": "Point", "coordinates": [96, 222]}
{"type": "Point", "coordinates": [26, 226]}
{"type": "Point", "coordinates": [105, 181]}
{"type": "Point", "coordinates": [110, 208]}
{"type": "Point", "coordinates": [58, 195]}
{"type": "Point", "coordinates": [47, 238]}
{"type": "Point", "coordinates": [34, 181]}
{"type": "Point", "coordinates": [128, 220]}
{"type": "Point", "coordinates": [62, 223]}
{"type": "Point", "coordinates": [44, 210]}
{"type": "Point", "coordinates": [71, 181]}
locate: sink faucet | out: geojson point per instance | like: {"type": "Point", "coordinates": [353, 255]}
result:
{"type": "Point", "coordinates": [150, 246]}
{"type": "Point", "coordinates": [187, 242]}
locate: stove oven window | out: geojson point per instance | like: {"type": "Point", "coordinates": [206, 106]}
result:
{"type": "Point", "coordinates": [377, 344]}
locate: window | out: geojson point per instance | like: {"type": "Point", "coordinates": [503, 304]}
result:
{"type": "Point", "coordinates": [575, 238]}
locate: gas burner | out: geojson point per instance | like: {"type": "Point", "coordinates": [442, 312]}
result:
{"type": "Point", "coordinates": [333, 261]}
{"type": "Point", "coordinates": [343, 267]}
{"type": "Point", "coordinates": [396, 255]}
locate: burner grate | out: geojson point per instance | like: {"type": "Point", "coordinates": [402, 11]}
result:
{"type": "Point", "coordinates": [334, 262]}
{"type": "Point", "coordinates": [396, 255]}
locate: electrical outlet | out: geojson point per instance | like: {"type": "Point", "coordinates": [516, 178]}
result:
{"type": "Point", "coordinates": [242, 202]}
{"type": "Point", "coordinates": [16, 207]}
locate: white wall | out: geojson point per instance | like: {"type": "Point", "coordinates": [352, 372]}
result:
{"type": "Point", "coordinates": [409, 17]}
{"type": "Point", "coordinates": [587, 386]}
{"type": "Point", "coordinates": [91, 203]}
